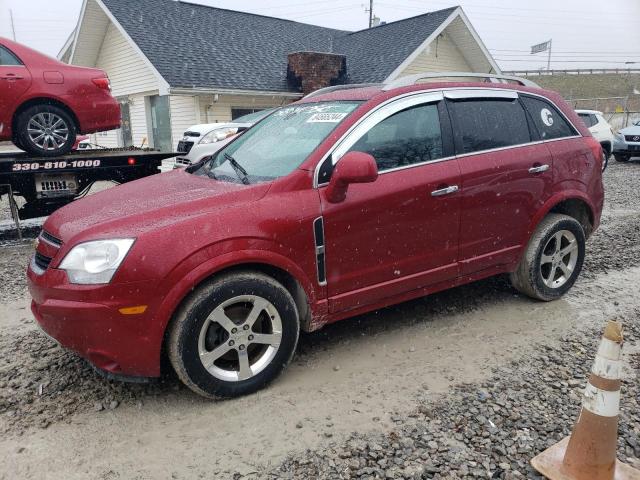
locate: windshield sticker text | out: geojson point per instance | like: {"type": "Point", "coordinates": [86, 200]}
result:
{"type": "Point", "coordinates": [326, 117]}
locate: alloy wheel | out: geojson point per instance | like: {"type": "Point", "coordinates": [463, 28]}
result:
{"type": "Point", "coordinates": [240, 338]}
{"type": "Point", "coordinates": [559, 259]}
{"type": "Point", "coordinates": [48, 131]}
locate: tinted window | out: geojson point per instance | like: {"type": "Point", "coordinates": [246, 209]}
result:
{"type": "Point", "coordinates": [8, 58]}
{"type": "Point", "coordinates": [485, 124]}
{"type": "Point", "coordinates": [406, 137]}
{"type": "Point", "coordinates": [549, 122]}
{"type": "Point", "coordinates": [587, 119]}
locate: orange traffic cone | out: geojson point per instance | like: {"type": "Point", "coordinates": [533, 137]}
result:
{"type": "Point", "coordinates": [590, 452]}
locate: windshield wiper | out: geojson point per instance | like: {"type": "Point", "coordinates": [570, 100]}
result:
{"type": "Point", "coordinates": [241, 172]}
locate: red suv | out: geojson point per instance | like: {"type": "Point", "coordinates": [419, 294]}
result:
{"type": "Point", "coordinates": [345, 202]}
{"type": "Point", "coordinates": [44, 103]}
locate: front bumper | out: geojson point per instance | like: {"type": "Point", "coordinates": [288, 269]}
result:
{"type": "Point", "coordinates": [633, 150]}
{"type": "Point", "coordinates": [86, 319]}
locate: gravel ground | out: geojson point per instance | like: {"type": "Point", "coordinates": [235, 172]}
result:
{"type": "Point", "coordinates": [486, 430]}
{"type": "Point", "coordinates": [478, 429]}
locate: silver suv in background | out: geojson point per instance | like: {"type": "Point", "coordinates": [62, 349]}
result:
{"type": "Point", "coordinates": [203, 140]}
{"type": "Point", "coordinates": [624, 151]}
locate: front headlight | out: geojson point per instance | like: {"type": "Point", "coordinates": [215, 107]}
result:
{"type": "Point", "coordinates": [95, 262]}
{"type": "Point", "coordinates": [216, 135]}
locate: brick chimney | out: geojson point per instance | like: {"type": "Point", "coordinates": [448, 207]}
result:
{"type": "Point", "coordinates": [309, 71]}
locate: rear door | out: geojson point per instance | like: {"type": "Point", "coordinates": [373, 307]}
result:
{"type": "Point", "coordinates": [15, 80]}
{"type": "Point", "coordinates": [573, 160]}
{"type": "Point", "coordinates": [400, 232]}
{"type": "Point", "coordinates": [506, 175]}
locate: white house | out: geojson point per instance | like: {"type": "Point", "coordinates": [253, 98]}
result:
{"type": "Point", "coordinates": [173, 64]}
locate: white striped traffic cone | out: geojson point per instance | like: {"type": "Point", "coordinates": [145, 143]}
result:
{"type": "Point", "coordinates": [590, 452]}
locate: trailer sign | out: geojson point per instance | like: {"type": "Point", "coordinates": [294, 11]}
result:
{"type": "Point", "coordinates": [21, 167]}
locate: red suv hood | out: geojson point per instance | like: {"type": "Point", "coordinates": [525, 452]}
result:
{"type": "Point", "coordinates": [154, 201]}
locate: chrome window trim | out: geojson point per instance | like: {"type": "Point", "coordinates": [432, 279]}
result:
{"type": "Point", "coordinates": [414, 98]}
{"type": "Point", "coordinates": [478, 93]}
{"type": "Point", "coordinates": [463, 93]}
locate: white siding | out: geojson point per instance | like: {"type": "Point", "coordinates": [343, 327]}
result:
{"type": "Point", "coordinates": [183, 115]}
{"type": "Point", "coordinates": [138, 114]}
{"type": "Point", "coordinates": [128, 73]}
{"type": "Point", "coordinates": [220, 111]}
{"type": "Point", "coordinates": [91, 34]}
{"type": "Point", "coordinates": [441, 56]}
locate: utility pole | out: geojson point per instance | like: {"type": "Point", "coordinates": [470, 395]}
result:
{"type": "Point", "coordinates": [370, 13]}
{"type": "Point", "coordinates": [13, 27]}
{"type": "Point", "coordinates": [549, 57]}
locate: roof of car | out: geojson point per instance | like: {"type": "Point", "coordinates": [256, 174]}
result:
{"type": "Point", "coordinates": [591, 112]}
{"type": "Point", "coordinates": [369, 92]}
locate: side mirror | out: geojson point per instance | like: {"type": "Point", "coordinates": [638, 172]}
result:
{"type": "Point", "coordinates": [353, 167]}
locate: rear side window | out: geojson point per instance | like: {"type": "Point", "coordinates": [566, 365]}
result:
{"type": "Point", "coordinates": [548, 120]}
{"type": "Point", "coordinates": [405, 138]}
{"type": "Point", "coordinates": [484, 124]}
{"type": "Point", "coordinates": [587, 119]}
{"type": "Point", "coordinates": [7, 58]}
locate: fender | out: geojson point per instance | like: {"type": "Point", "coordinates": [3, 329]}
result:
{"type": "Point", "coordinates": [554, 200]}
{"type": "Point", "coordinates": [194, 277]}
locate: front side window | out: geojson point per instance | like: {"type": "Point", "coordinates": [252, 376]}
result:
{"type": "Point", "coordinates": [7, 58]}
{"type": "Point", "coordinates": [405, 138]}
{"type": "Point", "coordinates": [279, 144]}
{"type": "Point", "coordinates": [485, 124]}
{"type": "Point", "coordinates": [547, 119]}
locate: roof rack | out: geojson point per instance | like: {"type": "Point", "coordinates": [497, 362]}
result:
{"type": "Point", "coordinates": [336, 88]}
{"type": "Point", "coordinates": [493, 78]}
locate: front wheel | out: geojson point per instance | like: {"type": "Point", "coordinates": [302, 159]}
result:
{"type": "Point", "coordinates": [605, 159]}
{"type": "Point", "coordinates": [621, 158]}
{"type": "Point", "coordinates": [46, 130]}
{"type": "Point", "coordinates": [553, 258]}
{"type": "Point", "coordinates": [234, 335]}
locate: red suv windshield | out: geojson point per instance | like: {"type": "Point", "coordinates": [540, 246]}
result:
{"type": "Point", "coordinates": [279, 144]}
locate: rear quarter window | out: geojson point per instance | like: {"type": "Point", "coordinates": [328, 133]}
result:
{"type": "Point", "coordinates": [549, 122]}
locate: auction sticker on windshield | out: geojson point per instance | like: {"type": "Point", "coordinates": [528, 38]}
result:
{"type": "Point", "coordinates": [334, 117]}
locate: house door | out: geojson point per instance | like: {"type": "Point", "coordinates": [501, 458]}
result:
{"type": "Point", "coordinates": [160, 122]}
{"type": "Point", "coordinates": [126, 137]}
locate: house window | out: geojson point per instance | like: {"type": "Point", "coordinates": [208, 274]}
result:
{"type": "Point", "coordinates": [241, 111]}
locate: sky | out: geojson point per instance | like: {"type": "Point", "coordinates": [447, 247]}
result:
{"type": "Point", "coordinates": [585, 33]}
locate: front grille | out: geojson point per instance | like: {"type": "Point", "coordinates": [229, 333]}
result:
{"type": "Point", "coordinates": [182, 162]}
{"type": "Point", "coordinates": [632, 138]}
{"type": "Point", "coordinates": [42, 261]}
{"type": "Point", "coordinates": [47, 237]}
{"type": "Point", "coordinates": [184, 147]}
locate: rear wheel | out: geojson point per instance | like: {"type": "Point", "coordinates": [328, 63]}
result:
{"type": "Point", "coordinates": [46, 130]}
{"type": "Point", "coordinates": [553, 258]}
{"type": "Point", "coordinates": [234, 335]}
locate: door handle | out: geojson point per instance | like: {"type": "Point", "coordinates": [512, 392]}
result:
{"type": "Point", "coordinates": [539, 169]}
{"type": "Point", "coordinates": [10, 76]}
{"type": "Point", "coordinates": [445, 191]}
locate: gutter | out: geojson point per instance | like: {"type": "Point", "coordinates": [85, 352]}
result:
{"type": "Point", "coordinates": [224, 91]}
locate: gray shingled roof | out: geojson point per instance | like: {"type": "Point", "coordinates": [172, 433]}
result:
{"type": "Point", "coordinates": [200, 46]}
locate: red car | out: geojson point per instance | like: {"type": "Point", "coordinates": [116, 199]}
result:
{"type": "Point", "coordinates": [44, 103]}
{"type": "Point", "coordinates": [340, 204]}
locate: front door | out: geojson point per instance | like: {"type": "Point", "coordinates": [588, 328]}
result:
{"type": "Point", "coordinates": [14, 82]}
{"type": "Point", "coordinates": [399, 233]}
{"type": "Point", "coordinates": [506, 176]}
{"type": "Point", "coordinates": [160, 123]}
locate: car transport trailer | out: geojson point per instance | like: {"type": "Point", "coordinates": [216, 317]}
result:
{"type": "Point", "coordinates": [49, 183]}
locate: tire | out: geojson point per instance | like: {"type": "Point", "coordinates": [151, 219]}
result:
{"type": "Point", "coordinates": [192, 335]}
{"type": "Point", "coordinates": [539, 274]}
{"type": "Point", "coordinates": [58, 130]}
{"type": "Point", "coordinates": [16, 141]}
{"type": "Point", "coordinates": [621, 158]}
